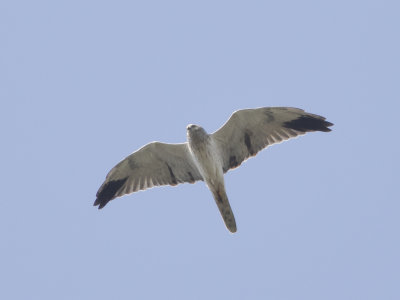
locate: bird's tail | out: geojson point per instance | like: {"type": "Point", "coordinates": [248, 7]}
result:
{"type": "Point", "coordinates": [224, 207]}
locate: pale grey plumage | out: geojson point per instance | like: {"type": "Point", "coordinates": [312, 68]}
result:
{"type": "Point", "coordinates": [208, 156]}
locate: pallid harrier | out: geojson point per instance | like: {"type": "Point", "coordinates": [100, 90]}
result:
{"type": "Point", "coordinates": [208, 156]}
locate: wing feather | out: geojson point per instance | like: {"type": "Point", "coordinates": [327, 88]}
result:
{"type": "Point", "coordinates": [153, 165]}
{"type": "Point", "coordinates": [250, 130]}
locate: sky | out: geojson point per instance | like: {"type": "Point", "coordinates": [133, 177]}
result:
{"type": "Point", "coordinates": [85, 83]}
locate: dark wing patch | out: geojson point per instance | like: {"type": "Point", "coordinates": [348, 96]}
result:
{"type": "Point", "coordinates": [308, 123]}
{"type": "Point", "coordinates": [173, 178]}
{"type": "Point", "coordinates": [108, 191]}
{"type": "Point", "coordinates": [233, 163]}
{"type": "Point", "coordinates": [191, 178]}
{"type": "Point", "coordinates": [247, 142]}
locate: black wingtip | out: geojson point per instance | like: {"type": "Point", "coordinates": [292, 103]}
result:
{"type": "Point", "coordinates": [309, 123]}
{"type": "Point", "coordinates": [108, 191]}
{"type": "Point", "coordinates": [100, 204]}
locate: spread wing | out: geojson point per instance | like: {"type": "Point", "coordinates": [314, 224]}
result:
{"type": "Point", "coordinates": [251, 130]}
{"type": "Point", "coordinates": [152, 165]}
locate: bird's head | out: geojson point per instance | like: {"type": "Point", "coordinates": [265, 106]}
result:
{"type": "Point", "coordinates": [191, 127]}
{"type": "Point", "coordinates": [195, 132]}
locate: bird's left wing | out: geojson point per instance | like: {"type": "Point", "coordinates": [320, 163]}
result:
{"type": "Point", "coordinates": [250, 130]}
{"type": "Point", "coordinates": [153, 165]}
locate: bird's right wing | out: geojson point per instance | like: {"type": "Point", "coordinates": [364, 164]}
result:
{"type": "Point", "coordinates": [153, 165]}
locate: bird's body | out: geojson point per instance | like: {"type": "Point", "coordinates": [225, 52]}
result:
{"type": "Point", "coordinates": [208, 161]}
{"type": "Point", "coordinates": [208, 156]}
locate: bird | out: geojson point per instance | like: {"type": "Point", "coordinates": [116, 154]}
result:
{"type": "Point", "coordinates": [207, 157]}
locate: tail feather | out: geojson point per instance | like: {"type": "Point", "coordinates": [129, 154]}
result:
{"type": "Point", "coordinates": [224, 208]}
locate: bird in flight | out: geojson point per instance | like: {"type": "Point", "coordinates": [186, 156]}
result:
{"type": "Point", "coordinates": [208, 157]}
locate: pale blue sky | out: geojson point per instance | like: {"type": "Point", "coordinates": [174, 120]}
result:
{"type": "Point", "coordinates": [85, 83]}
